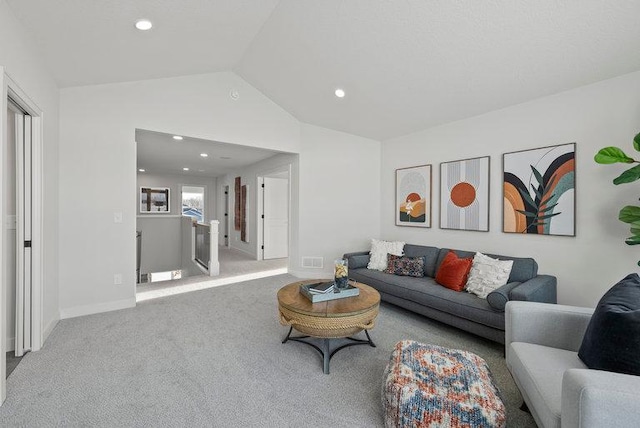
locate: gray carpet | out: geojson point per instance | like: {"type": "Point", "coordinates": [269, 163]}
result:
{"type": "Point", "coordinates": [214, 358]}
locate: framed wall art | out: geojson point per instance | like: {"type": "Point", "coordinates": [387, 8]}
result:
{"type": "Point", "coordinates": [464, 194]}
{"type": "Point", "coordinates": [539, 191]}
{"type": "Point", "coordinates": [413, 196]}
{"type": "Point", "coordinates": [154, 200]}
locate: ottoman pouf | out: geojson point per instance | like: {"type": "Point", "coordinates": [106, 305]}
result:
{"type": "Point", "coordinates": [431, 386]}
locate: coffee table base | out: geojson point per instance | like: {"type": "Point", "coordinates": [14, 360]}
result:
{"type": "Point", "coordinates": [326, 351]}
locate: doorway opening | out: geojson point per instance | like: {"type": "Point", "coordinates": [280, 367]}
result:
{"type": "Point", "coordinates": [21, 249]}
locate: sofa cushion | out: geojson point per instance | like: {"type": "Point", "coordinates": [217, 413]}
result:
{"type": "Point", "coordinates": [430, 255]}
{"type": "Point", "coordinates": [538, 373]}
{"type": "Point", "coordinates": [612, 339]}
{"type": "Point", "coordinates": [405, 266]}
{"type": "Point", "coordinates": [425, 291]}
{"type": "Point", "coordinates": [453, 271]}
{"type": "Point", "coordinates": [379, 251]}
{"type": "Point", "coordinates": [487, 274]}
{"type": "Point", "coordinates": [524, 268]}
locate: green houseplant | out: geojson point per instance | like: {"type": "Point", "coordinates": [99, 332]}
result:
{"type": "Point", "coordinates": [629, 214]}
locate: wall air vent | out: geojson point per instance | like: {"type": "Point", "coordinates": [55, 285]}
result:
{"type": "Point", "coordinates": [313, 262]}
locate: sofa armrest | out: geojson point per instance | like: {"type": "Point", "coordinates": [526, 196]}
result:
{"type": "Point", "coordinates": [596, 398]}
{"type": "Point", "coordinates": [541, 288]}
{"type": "Point", "coordinates": [556, 326]}
{"type": "Point", "coordinates": [357, 260]}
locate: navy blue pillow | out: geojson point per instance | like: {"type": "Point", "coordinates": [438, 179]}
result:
{"type": "Point", "coordinates": [612, 340]}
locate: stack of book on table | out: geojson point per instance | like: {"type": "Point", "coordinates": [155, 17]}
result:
{"type": "Point", "coordinates": [323, 291]}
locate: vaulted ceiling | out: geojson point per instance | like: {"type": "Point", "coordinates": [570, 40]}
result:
{"type": "Point", "coordinates": [405, 65]}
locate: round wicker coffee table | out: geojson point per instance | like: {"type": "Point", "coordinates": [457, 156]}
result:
{"type": "Point", "coordinates": [333, 319]}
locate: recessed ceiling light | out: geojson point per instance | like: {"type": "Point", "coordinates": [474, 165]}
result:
{"type": "Point", "coordinates": [143, 24]}
{"type": "Point", "coordinates": [142, 170]}
{"type": "Point", "coordinates": [204, 155]}
{"type": "Point", "coordinates": [185, 169]}
{"type": "Point", "coordinates": [225, 157]}
{"type": "Point", "coordinates": [340, 93]}
{"type": "Point", "coordinates": [177, 137]}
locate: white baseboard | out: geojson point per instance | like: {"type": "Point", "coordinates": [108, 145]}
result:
{"type": "Point", "coordinates": [49, 328]}
{"type": "Point", "coordinates": [79, 311]}
{"type": "Point", "coordinates": [311, 274]}
{"type": "Point", "coordinates": [11, 344]}
{"type": "Point", "coordinates": [243, 251]}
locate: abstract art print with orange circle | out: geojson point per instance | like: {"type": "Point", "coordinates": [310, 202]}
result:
{"type": "Point", "coordinates": [464, 194]}
{"type": "Point", "coordinates": [413, 196]}
{"type": "Point", "coordinates": [539, 191]}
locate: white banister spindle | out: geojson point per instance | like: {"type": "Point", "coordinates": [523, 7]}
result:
{"type": "Point", "coordinates": [214, 264]}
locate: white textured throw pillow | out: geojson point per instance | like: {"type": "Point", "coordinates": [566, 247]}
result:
{"type": "Point", "coordinates": [379, 251]}
{"type": "Point", "coordinates": [487, 274]}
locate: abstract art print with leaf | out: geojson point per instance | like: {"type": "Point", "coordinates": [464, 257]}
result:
{"type": "Point", "coordinates": [413, 196]}
{"type": "Point", "coordinates": [539, 191]}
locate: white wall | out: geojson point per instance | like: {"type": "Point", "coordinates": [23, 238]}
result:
{"type": "Point", "coordinates": [162, 233]}
{"type": "Point", "coordinates": [98, 161]}
{"type": "Point", "coordinates": [339, 196]}
{"type": "Point", "coordinates": [249, 176]}
{"type": "Point", "coordinates": [595, 116]}
{"type": "Point", "coordinates": [22, 61]}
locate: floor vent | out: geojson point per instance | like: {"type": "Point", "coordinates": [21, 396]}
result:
{"type": "Point", "coordinates": [312, 262]}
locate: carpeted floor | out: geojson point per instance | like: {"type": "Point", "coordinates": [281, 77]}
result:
{"type": "Point", "coordinates": [214, 358]}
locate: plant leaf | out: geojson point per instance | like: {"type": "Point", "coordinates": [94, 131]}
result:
{"type": "Point", "coordinates": [537, 192]}
{"type": "Point", "coordinates": [634, 240]}
{"type": "Point", "coordinates": [544, 210]}
{"type": "Point", "coordinates": [547, 199]}
{"type": "Point", "coordinates": [629, 214]}
{"type": "Point", "coordinates": [612, 155]}
{"type": "Point", "coordinates": [630, 175]}
{"type": "Point", "coordinates": [527, 213]}
{"type": "Point", "coordinates": [527, 197]}
{"type": "Point", "coordinates": [538, 176]}
{"type": "Point", "coordinates": [636, 142]}
{"type": "Point", "coordinates": [542, 217]}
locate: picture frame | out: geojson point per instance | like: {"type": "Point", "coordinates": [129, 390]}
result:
{"type": "Point", "coordinates": [464, 194]}
{"type": "Point", "coordinates": [413, 196]}
{"type": "Point", "coordinates": [538, 191]}
{"type": "Point", "coordinates": [155, 200]}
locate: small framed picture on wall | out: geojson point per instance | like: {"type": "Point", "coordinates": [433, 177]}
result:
{"type": "Point", "coordinates": [413, 196]}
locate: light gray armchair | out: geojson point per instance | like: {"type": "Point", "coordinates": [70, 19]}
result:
{"type": "Point", "coordinates": [542, 342]}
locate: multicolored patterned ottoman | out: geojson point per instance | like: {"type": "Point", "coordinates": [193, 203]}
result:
{"type": "Point", "coordinates": [431, 386]}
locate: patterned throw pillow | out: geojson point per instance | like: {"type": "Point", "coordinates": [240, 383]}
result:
{"type": "Point", "coordinates": [405, 266]}
{"type": "Point", "coordinates": [379, 251]}
{"type": "Point", "coordinates": [487, 274]}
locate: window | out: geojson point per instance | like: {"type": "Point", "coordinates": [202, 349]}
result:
{"type": "Point", "coordinates": [193, 202]}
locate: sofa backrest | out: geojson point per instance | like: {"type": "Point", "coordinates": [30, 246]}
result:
{"type": "Point", "coordinates": [524, 268]}
{"type": "Point", "coordinates": [430, 255]}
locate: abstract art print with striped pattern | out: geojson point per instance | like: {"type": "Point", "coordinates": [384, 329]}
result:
{"type": "Point", "coordinates": [539, 191]}
{"type": "Point", "coordinates": [464, 194]}
{"type": "Point", "coordinates": [413, 196]}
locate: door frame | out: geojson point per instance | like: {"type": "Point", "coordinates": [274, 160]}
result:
{"type": "Point", "coordinates": [260, 204]}
{"type": "Point", "coordinates": [11, 89]}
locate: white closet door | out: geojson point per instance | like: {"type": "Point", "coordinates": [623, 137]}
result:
{"type": "Point", "coordinates": [23, 234]}
{"type": "Point", "coordinates": [276, 218]}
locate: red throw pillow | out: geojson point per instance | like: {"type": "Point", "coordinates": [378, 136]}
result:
{"type": "Point", "coordinates": [453, 271]}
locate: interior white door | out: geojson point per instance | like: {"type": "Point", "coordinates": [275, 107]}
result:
{"type": "Point", "coordinates": [275, 221]}
{"type": "Point", "coordinates": [23, 234]}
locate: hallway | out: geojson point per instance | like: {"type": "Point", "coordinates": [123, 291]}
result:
{"type": "Point", "coordinates": [235, 266]}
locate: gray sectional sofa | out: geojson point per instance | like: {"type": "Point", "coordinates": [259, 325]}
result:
{"type": "Point", "coordinates": [484, 317]}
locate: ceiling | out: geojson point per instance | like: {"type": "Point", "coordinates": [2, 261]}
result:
{"type": "Point", "coordinates": [405, 65]}
{"type": "Point", "coordinates": [159, 153]}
